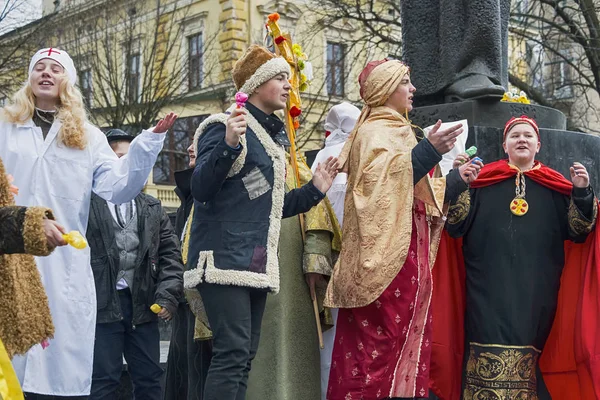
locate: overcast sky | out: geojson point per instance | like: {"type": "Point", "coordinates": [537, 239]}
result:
{"type": "Point", "coordinates": [14, 13]}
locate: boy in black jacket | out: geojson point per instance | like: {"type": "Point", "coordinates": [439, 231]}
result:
{"type": "Point", "coordinates": [238, 188]}
{"type": "Point", "coordinates": [136, 263]}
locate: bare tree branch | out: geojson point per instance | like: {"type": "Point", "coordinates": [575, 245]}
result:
{"type": "Point", "coordinates": [137, 55]}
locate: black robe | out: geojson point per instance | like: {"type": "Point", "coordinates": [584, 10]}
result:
{"type": "Point", "coordinates": [188, 360]}
{"type": "Point", "coordinates": [513, 269]}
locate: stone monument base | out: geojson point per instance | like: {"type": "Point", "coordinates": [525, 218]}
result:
{"type": "Point", "coordinates": [488, 113]}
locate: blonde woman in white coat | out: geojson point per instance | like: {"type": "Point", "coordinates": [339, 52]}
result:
{"type": "Point", "coordinates": [57, 159]}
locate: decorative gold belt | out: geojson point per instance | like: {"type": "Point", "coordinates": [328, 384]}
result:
{"type": "Point", "coordinates": [499, 372]}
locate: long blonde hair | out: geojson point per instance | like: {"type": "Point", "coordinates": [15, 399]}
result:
{"type": "Point", "coordinates": [70, 112]}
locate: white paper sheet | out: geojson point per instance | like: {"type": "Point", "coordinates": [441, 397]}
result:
{"type": "Point", "coordinates": [459, 146]}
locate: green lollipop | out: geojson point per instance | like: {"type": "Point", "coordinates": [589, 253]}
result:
{"type": "Point", "coordinates": [471, 151]}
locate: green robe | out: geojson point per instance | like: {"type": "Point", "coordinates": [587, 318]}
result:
{"type": "Point", "coordinates": [287, 364]}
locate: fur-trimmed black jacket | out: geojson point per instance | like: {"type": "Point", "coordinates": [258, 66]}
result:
{"type": "Point", "coordinates": [239, 202]}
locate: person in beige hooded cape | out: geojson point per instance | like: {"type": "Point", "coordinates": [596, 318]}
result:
{"type": "Point", "coordinates": [392, 221]}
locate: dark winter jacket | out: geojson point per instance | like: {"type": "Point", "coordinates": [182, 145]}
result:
{"type": "Point", "coordinates": [158, 276]}
{"type": "Point", "coordinates": [184, 192]}
{"type": "Point", "coordinates": [239, 202]}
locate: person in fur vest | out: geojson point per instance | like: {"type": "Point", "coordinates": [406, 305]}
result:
{"type": "Point", "coordinates": [25, 318]}
{"type": "Point", "coordinates": [58, 159]}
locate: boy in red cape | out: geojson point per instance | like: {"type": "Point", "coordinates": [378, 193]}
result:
{"type": "Point", "coordinates": [516, 300]}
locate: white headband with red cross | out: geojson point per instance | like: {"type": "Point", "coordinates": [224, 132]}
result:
{"type": "Point", "coordinates": [58, 55]}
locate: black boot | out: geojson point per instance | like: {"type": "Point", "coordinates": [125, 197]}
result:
{"type": "Point", "coordinates": [473, 87]}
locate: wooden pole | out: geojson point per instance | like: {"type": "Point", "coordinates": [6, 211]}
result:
{"type": "Point", "coordinates": [284, 48]}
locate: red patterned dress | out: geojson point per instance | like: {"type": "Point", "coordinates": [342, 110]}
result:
{"type": "Point", "coordinates": [383, 350]}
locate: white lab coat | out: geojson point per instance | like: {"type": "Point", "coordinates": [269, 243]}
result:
{"type": "Point", "coordinates": [50, 174]}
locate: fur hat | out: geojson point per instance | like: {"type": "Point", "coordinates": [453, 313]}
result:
{"type": "Point", "coordinates": [256, 66]}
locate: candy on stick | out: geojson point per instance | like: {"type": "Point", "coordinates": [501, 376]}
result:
{"type": "Point", "coordinates": [155, 308]}
{"type": "Point", "coordinates": [240, 99]}
{"type": "Point", "coordinates": [12, 188]}
{"type": "Point", "coordinates": [471, 151]}
{"type": "Point", "coordinates": [75, 239]}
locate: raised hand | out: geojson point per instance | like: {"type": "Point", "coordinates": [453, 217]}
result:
{"type": "Point", "coordinates": [325, 174]}
{"type": "Point", "coordinates": [165, 124]}
{"type": "Point", "coordinates": [443, 140]}
{"type": "Point", "coordinates": [579, 175]}
{"type": "Point", "coordinates": [470, 171]}
{"type": "Point", "coordinates": [235, 127]}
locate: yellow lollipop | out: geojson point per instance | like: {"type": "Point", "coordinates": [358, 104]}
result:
{"type": "Point", "coordinates": [75, 239]}
{"type": "Point", "coordinates": [155, 308]}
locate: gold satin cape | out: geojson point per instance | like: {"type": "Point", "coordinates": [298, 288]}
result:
{"type": "Point", "coordinates": [378, 207]}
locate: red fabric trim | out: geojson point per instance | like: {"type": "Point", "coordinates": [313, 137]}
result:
{"type": "Point", "coordinates": [448, 309]}
{"type": "Point", "coordinates": [571, 358]}
{"type": "Point", "coordinates": [499, 171]}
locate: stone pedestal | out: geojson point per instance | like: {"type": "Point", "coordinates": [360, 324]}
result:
{"type": "Point", "coordinates": [560, 148]}
{"type": "Point", "coordinates": [488, 114]}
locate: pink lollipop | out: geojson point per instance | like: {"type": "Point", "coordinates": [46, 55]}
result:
{"type": "Point", "coordinates": [240, 99]}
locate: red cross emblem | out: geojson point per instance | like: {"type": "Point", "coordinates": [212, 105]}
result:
{"type": "Point", "coordinates": [50, 51]}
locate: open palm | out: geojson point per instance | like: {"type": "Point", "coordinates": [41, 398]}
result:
{"type": "Point", "coordinates": [166, 123]}
{"type": "Point", "coordinates": [579, 175]}
{"type": "Point", "coordinates": [325, 174]}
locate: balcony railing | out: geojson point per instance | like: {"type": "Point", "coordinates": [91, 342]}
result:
{"type": "Point", "coordinates": [164, 193]}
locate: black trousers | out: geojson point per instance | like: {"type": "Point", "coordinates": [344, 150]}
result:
{"type": "Point", "coordinates": [235, 314]}
{"type": "Point", "coordinates": [140, 344]}
{"type": "Point", "coordinates": [188, 360]}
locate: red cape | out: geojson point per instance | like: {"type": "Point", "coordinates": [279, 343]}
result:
{"type": "Point", "coordinates": [570, 361]}
{"type": "Point", "coordinates": [499, 171]}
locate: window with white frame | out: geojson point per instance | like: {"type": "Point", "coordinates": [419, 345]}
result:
{"type": "Point", "coordinates": [85, 86]}
{"type": "Point", "coordinates": [535, 61]}
{"type": "Point", "coordinates": [195, 61]}
{"type": "Point", "coordinates": [335, 69]}
{"type": "Point", "coordinates": [561, 84]}
{"type": "Point", "coordinates": [133, 77]}
{"type": "Point", "coordinates": [521, 9]}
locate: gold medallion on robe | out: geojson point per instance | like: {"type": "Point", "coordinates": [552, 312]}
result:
{"type": "Point", "coordinates": [519, 206]}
